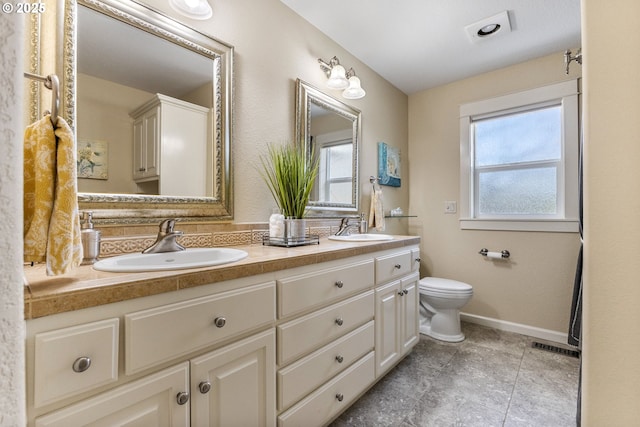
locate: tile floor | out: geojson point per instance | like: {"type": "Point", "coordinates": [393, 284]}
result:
{"type": "Point", "coordinates": [493, 378]}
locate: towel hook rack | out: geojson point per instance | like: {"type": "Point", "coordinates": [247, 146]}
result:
{"type": "Point", "coordinates": [374, 181]}
{"type": "Point", "coordinates": [50, 82]}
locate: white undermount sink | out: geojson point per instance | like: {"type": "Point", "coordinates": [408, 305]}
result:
{"type": "Point", "coordinates": [362, 237]}
{"type": "Point", "coordinates": [190, 258]}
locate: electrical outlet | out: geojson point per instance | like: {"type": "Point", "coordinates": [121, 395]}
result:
{"type": "Point", "coordinates": [450, 207]}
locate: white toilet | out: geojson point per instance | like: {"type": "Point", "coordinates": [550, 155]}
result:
{"type": "Point", "coordinates": [440, 304]}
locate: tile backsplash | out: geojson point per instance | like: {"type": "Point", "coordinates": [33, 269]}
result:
{"type": "Point", "coordinates": [123, 240]}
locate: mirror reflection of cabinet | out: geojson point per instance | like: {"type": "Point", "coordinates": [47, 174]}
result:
{"type": "Point", "coordinates": [169, 137]}
{"type": "Point", "coordinates": [145, 144]}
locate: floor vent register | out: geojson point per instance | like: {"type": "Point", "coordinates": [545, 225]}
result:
{"type": "Point", "coordinates": [554, 349]}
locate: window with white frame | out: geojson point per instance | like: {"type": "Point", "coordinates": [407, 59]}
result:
{"type": "Point", "coordinates": [519, 161]}
{"type": "Point", "coordinates": [334, 183]}
{"type": "Point", "coordinates": [335, 172]}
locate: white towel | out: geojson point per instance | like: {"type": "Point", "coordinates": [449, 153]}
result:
{"type": "Point", "coordinates": [376, 212]}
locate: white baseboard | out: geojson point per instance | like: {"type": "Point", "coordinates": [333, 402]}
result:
{"type": "Point", "coordinates": [503, 325]}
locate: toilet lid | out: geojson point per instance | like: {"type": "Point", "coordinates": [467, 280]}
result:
{"type": "Point", "coordinates": [439, 284]}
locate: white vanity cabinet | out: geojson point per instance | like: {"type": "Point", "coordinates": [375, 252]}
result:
{"type": "Point", "coordinates": [170, 146]}
{"type": "Point", "coordinates": [293, 347]}
{"type": "Point", "coordinates": [397, 298]}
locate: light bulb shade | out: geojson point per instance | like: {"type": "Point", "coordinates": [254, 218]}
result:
{"type": "Point", "coordinates": [194, 9]}
{"type": "Point", "coordinates": [337, 78]}
{"type": "Point", "coordinates": [354, 91]}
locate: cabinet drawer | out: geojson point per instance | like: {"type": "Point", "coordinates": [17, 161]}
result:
{"type": "Point", "coordinates": [332, 398]}
{"type": "Point", "coordinates": [160, 334]}
{"type": "Point", "coordinates": [302, 335]}
{"type": "Point", "coordinates": [299, 379]}
{"type": "Point", "coordinates": [393, 266]}
{"type": "Point", "coordinates": [73, 360]}
{"type": "Point", "coordinates": [299, 293]}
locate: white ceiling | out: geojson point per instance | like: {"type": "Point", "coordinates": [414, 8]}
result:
{"type": "Point", "coordinates": [118, 52]}
{"type": "Point", "coordinates": [419, 44]}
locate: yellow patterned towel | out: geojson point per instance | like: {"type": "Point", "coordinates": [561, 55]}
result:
{"type": "Point", "coordinates": [51, 217]}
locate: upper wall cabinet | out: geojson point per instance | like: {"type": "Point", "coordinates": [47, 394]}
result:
{"type": "Point", "coordinates": [170, 154]}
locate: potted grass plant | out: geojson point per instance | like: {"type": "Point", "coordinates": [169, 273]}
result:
{"type": "Point", "coordinates": [290, 174]}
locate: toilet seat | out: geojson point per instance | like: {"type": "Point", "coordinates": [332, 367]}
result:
{"type": "Point", "coordinates": [439, 286]}
{"type": "Point", "coordinates": [446, 294]}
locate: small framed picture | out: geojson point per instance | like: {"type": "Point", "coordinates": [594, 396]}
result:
{"type": "Point", "coordinates": [93, 159]}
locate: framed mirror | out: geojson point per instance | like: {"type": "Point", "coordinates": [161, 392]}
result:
{"type": "Point", "coordinates": [330, 130]}
{"type": "Point", "coordinates": [133, 82]}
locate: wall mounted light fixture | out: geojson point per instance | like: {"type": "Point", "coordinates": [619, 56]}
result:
{"type": "Point", "coordinates": [339, 78]}
{"type": "Point", "coordinates": [194, 9]}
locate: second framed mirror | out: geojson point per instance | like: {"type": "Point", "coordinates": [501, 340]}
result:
{"type": "Point", "coordinates": [330, 130]}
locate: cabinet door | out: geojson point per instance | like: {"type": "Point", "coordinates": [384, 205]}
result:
{"type": "Point", "coordinates": [139, 147]}
{"type": "Point", "coordinates": [409, 311]}
{"type": "Point", "coordinates": [235, 385]}
{"type": "Point", "coordinates": [146, 145]}
{"type": "Point", "coordinates": [152, 143]}
{"type": "Point", "coordinates": [150, 401]}
{"type": "Point", "coordinates": [388, 323]}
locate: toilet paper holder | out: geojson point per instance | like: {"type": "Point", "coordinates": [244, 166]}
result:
{"type": "Point", "coordinates": [503, 254]}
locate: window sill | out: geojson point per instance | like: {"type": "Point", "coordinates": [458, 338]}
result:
{"type": "Point", "coordinates": [542, 225]}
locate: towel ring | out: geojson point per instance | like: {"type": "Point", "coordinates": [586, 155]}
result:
{"type": "Point", "coordinates": [50, 82]}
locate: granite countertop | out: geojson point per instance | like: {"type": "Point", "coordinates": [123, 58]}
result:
{"type": "Point", "coordinates": [86, 287]}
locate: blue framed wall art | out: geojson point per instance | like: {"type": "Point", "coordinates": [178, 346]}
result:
{"type": "Point", "coordinates": [388, 165]}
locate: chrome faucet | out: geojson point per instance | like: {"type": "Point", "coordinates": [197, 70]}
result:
{"type": "Point", "coordinates": [347, 224]}
{"type": "Point", "coordinates": [166, 240]}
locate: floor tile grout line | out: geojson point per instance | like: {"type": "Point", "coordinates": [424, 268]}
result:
{"type": "Point", "coordinates": [513, 389]}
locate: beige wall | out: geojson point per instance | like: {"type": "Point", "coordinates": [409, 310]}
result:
{"type": "Point", "coordinates": [273, 47]}
{"type": "Point", "coordinates": [534, 287]}
{"type": "Point", "coordinates": [103, 115]}
{"type": "Point", "coordinates": [611, 382]}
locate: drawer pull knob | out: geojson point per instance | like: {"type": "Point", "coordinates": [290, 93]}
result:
{"type": "Point", "coordinates": [340, 284]}
{"type": "Point", "coordinates": [405, 291]}
{"type": "Point", "coordinates": [220, 322]}
{"type": "Point", "coordinates": [204, 387]}
{"type": "Point", "coordinates": [340, 359]}
{"type": "Point", "coordinates": [398, 266]}
{"type": "Point", "coordinates": [339, 321]}
{"type": "Point", "coordinates": [418, 260]}
{"type": "Point", "coordinates": [340, 397]}
{"type": "Point", "coordinates": [401, 293]}
{"type": "Point", "coordinates": [182, 397]}
{"type": "Point", "coordinates": [81, 364]}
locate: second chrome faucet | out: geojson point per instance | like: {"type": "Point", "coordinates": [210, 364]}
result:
{"type": "Point", "coordinates": [347, 224]}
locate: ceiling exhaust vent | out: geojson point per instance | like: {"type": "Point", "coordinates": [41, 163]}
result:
{"type": "Point", "coordinates": [489, 28]}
